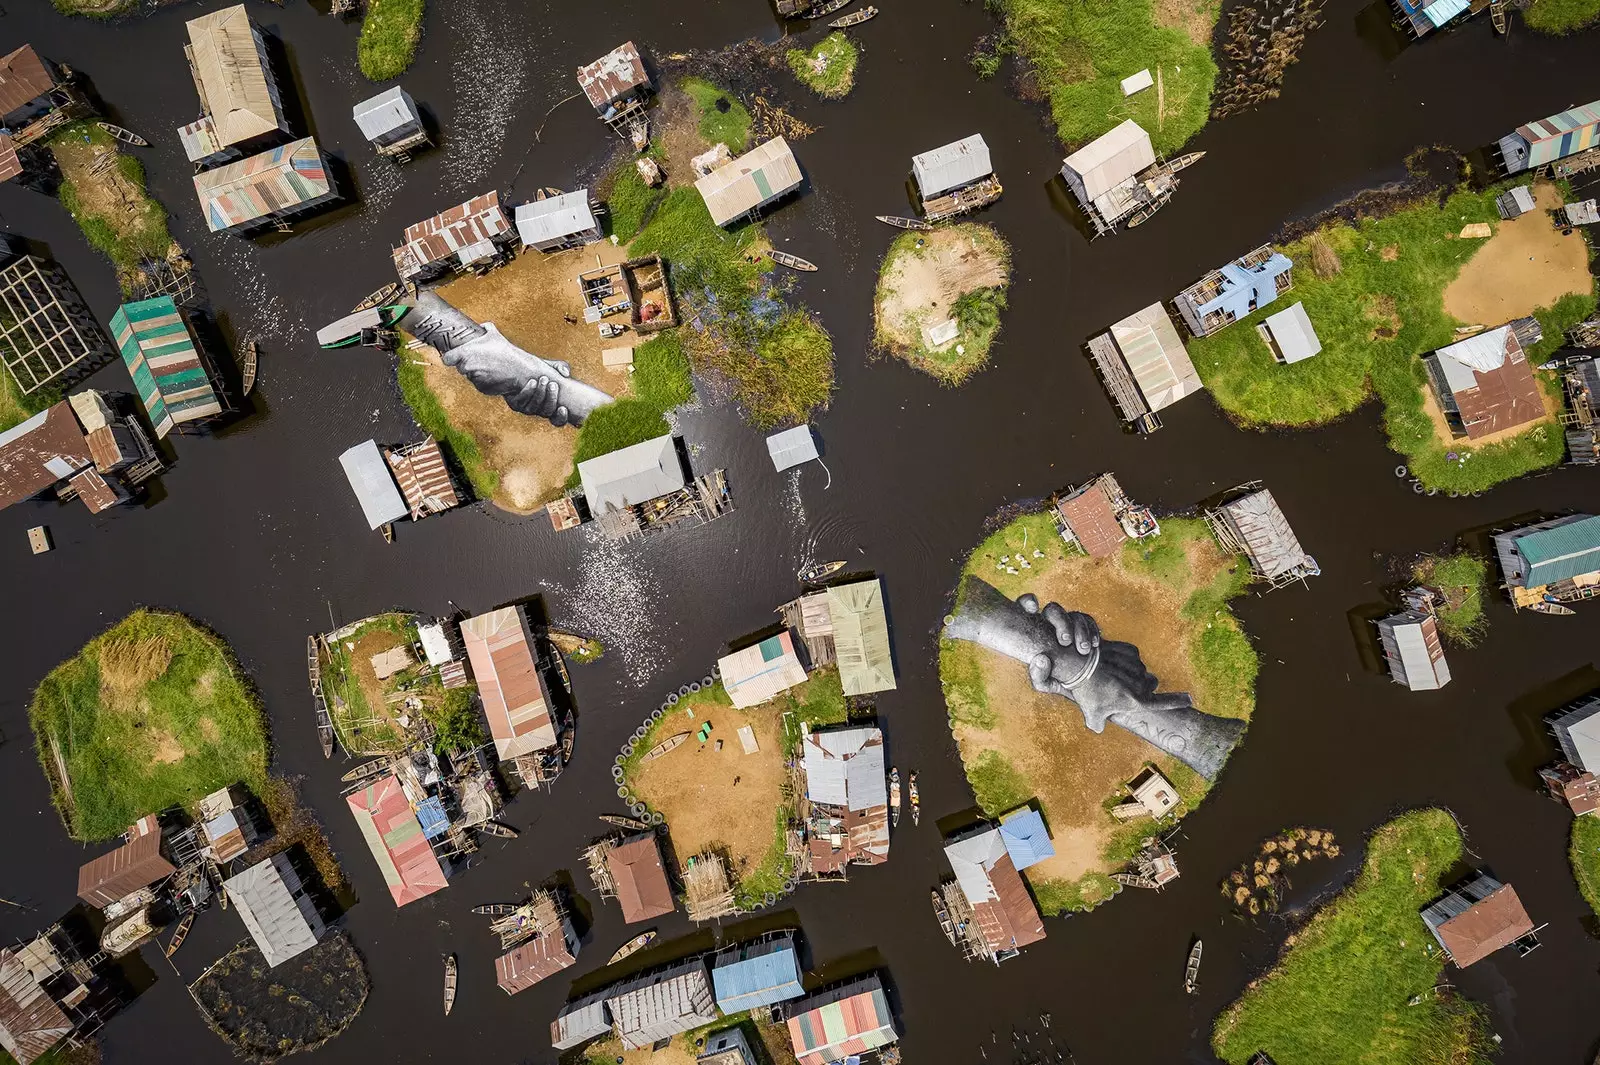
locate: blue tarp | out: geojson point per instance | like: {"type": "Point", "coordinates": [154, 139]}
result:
{"type": "Point", "coordinates": [759, 975]}
{"type": "Point", "coordinates": [1025, 838]}
{"type": "Point", "coordinates": [435, 822]}
{"type": "Point", "coordinates": [1244, 290]}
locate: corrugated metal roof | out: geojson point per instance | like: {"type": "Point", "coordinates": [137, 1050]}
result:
{"type": "Point", "coordinates": [199, 139]}
{"type": "Point", "coordinates": [1559, 136]}
{"type": "Point", "coordinates": [500, 648]}
{"type": "Point", "coordinates": [1577, 729]}
{"type": "Point", "coordinates": [861, 637]}
{"type": "Point", "coordinates": [792, 447]}
{"type": "Point", "coordinates": [39, 451]}
{"type": "Point", "coordinates": [272, 903]}
{"type": "Point", "coordinates": [388, 111]}
{"type": "Point", "coordinates": [762, 670]}
{"type": "Point", "coordinates": [1291, 330]}
{"type": "Point", "coordinates": [393, 834]}
{"type": "Point", "coordinates": [754, 179]}
{"type": "Point", "coordinates": [951, 166]}
{"type": "Point", "coordinates": [1410, 641]}
{"type": "Point", "coordinates": [643, 890]}
{"type": "Point", "coordinates": [373, 484]}
{"type": "Point", "coordinates": [1108, 161]}
{"type": "Point", "coordinates": [538, 959]}
{"type": "Point", "coordinates": [1439, 12]}
{"type": "Point", "coordinates": [555, 218]}
{"type": "Point", "coordinates": [971, 858]}
{"type": "Point", "coordinates": [10, 161]}
{"type": "Point", "coordinates": [631, 475]}
{"type": "Point", "coordinates": [137, 863]}
{"type": "Point", "coordinates": [1469, 933]}
{"type": "Point", "coordinates": [845, 767]}
{"type": "Point", "coordinates": [663, 1004]}
{"type": "Point", "coordinates": [1025, 837]}
{"type": "Point", "coordinates": [1156, 357]}
{"type": "Point", "coordinates": [1561, 552]}
{"type": "Point", "coordinates": [1092, 521]}
{"type": "Point", "coordinates": [231, 74]}
{"type": "Point", "coordinates": [1266, 535]}
{"type": "Point", "coordinates": [23, 79]}
{"type": "Point", "coordinates": [31, 1022]}
{"type": "Point", "coordinates": [612, 75]}
{"type": "Point", "coordinates": [759, 974]}
{"type": "Point", "coordinates": [155, 343]}
{"type": "Point", "coordinates": [580, 1021]}
{"type": "Point", "coordinates": [832, 1025]}
{"type": "Point", "coordinates": [276, 182]}
{"type": "Point", "coordinates": [458, 232]}
{"type": "Point", "coordinates": [423, 477]}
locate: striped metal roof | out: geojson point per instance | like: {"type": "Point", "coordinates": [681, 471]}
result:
{"type": "Point", "coordinates": [832, 1025]}
{"type": "Point", "coordinates": [165, 365]}
{"type": "Point", "coordinates": [276, 182]}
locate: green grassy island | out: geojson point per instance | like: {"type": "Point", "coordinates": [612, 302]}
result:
{"type": "Point", "coordinates": [1562, 16]}
{"type": "Point", "coordinates": [1463, 578]}
{"type": "Point", "coordinates": [956, 274]}
{"type": "Point", "coordinates": [117, 216]}
{"type": "Point", "coordinates": [1380, 293]}
{"type": "Point", "coordinates": [154, 713]}
{"type": "Point", "coordinates": [829, 68]}
{"type": "Point", "coordinates": [1343, 988]}
{"type": "Point", "coordinates": [1584, 853]}
{"type": "Point", "coordinates": [390, 31]}
{"type": "Point", "coordinates": [1168, 595]}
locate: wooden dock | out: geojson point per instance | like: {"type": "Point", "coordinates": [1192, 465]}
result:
{"type": "Point", "coordinates": [1119, 382]}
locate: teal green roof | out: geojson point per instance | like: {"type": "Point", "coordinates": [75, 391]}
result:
{"type": "Point", "coordinates": [161, 357]}
{"type": "Point", "coordinates": [1561, 553]}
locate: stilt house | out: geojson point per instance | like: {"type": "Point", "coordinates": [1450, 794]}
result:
{"type": "Point", "coordinates": [1235, 291]}
{"type": "Point", "coordinates": [1103, 175]}
{"type": "Point", "coordinates": [171, 375]}
{"type": "Point", "coordinates": [1478, 917]}
{"type": "Point", "coordinates": [1413, 651]}
{"type": "Point", "coordinates": [762, 671]}
{"type": "Point", "coordinates": [240, 106]}
{"type": "Point", "coordinates": [397, 839]}
{"type": "Point", "coordinates": [80, 447]}
{"type": "Point", "coordinates": [266, 189]}
{"type": "Point", "coordinates": [662, 1004]}
{"type": "Point", "coordinates": [1577, 789]}
{"type": "Point", "coordinates": [739, 189]}
{"type": "Point", "coordinates": [1548, 141]}
{"type": "Point", "coordinates": [276, 908]}
{"type": "Point", "coordinates": [841, 1022]}
{"type": "Point", "coordinates": [1004, 918]}
{"type": "Point", "coordinates": [501, 646]}
{"type": "Point", "coordinates": [1145, 366]}
{"type": "Point", "coordinates": [1484, 383]}
{"type": "Point", "coordinates": [955, 178]}
{"type": "Point", "coordinates": [558, 223]}
{"type": "Point", "coordinates": [847, 799]}
{"type": "Point", "coordinates": [1551, 563]}
{"type": "Point", "coordinates": [1576, 727]}
{"type": "Point", "coordinates": [469, 236]}
{"type": "Point", "coordinates": [36, 98]}
{"type": "Point", "coordinates": [52, 989]}
{"type": "Point", "coordinates": [392, 124]}
{"type": "Point", "coordinates": [760, 973]}
{"type": "Point", "coordinates": [1254, 524]}
{"type": "Point", "coordinates": [617, 85]}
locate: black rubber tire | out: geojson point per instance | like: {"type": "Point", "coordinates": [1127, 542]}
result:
{"type": "Point", "coordinates": [657, 819]}
{"type": "Point", "coordinates": [708, 681]}
{"type": "Point", "coordinates": [1416, 486]}
{"type": "Point", "coordinates": [768, 899]}
{"type": "Point", "coordinates": [617, 774]}
{"type": "Point", "coordinates": [694, 686]}
{"type": "Point", "coordinates": [716, 671]}
{"type": "Point", "coordinates": [622, 791]}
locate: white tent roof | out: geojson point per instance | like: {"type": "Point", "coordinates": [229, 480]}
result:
{"type": "Point", "coordinates": [389, 110]}
{"type": "Point", "coordinates": [1110, 160]}
{"type": "Point", "coordinates": [373, 485]}
{"type": "Point", "coordinates": [435, 645]}
{"type": "Point", "coordinates": [1484, 353]}
{"type": "Point", "coordinates": [555, 218]}
{"type": "Point", "coordinates": [632, 475]}
{"type": "Point", "coordinates": [958, 163]}
{"type": "Point", "coordinates": [792, 447]}
{"type": "Point", "coordinates": [1291, 331]}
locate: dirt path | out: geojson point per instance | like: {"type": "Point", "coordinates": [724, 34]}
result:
{"type": "Point", "coordinates": [526, 300]}
{"type": "Point", "coordinates": [922, 285]}
{"type": "Point", "coordinates": [1526, 265]}
{"type": "Point", "coordinates": [724, 798]}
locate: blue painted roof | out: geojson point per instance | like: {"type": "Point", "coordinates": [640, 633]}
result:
{"type": "Point", "coordinates": [757, 975]}
{"type": "Point", "coordinates": [1246, 290]}
{"type": "Point", "coordinates": [1025, 837]}
{"type": "Point", "coordinates": [1441, 11]}
{"type": "Point", "coordinates": [435, 822]}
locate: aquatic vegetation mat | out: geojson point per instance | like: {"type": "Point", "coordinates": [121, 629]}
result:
{"type": "Point", "coordinates": [269, 1013]}
{"type": "Point", "coordinates": [1358, 982]}
{"type": "Point", "coordinates": [153, 713]}
{"type": "Point", "coordinates": [109, 202]}
{"type": "Point", "coordinates": [390, 31]}
{"type": "Point", "coordinates": [1258, 884]}
{"type": "Point", "coordinates": [1562, 16]}
{"type": "Point", "coordinates": [1374, 290]}
{"type": "Point", "coordinates": [828, 68]}
{"type": "Point", "coordinates": [1168, 596]}
{"type": "Point", "coordinates": [1264, 41]}
{"type": "Point", "coordinates": [954, 276]}
{"type": "Point", "coordinates": [1077, 54]}
{"type": "Point", "coordinates": [1463, 578]}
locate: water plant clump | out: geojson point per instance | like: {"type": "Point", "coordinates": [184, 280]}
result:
{"type": "Point", "coordinates": [389, 35]}
{"type": "Point", "coordinates": [1259, 884]}
{"type": "Point", "coordinates": [267, 1013]}
{"type": "Point", "coordinates": [828, 68]}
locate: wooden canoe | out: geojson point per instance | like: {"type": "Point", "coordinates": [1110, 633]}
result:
{"type": "Point", "coordinates": [252, 355]}
{"type": "Point", "coordinates": [366, 769]}
{"type": "Point", "coordinates": [855, 18]}
{"type": "Point", "coordinates": [1191, 971]}
{"type": "Point", "coordinates": [793, 262]}
{"type": "Point", "coordinates": [123, 135]}
{"type": "Point", "coordinates": [495, 828]}
{"type": "Point", "coordinates": [1184, 161]}
{"type": "Point", "coordinates": [569, 736]}
{"type": "Point", "coordinates": [180, 933]}
{"type": "Point", "coordinates": [942, 912]}
{"type": "Point", "coordinates": [824, 10]}
{"type": "Point", "coordinates": [1554, 609]}
{"type": "Point", "coordinates": [813, 574]}
{"type": "Point", "coordinates": [633, 946]}
{"type": "Point", "coordinates": [916, 801]}
{"type": "Point", "coordinates": [894, 797]}
{"type": "Point", "coordinates": [496, 909]}
{"type": "Point", "coordinates": [386, 294]}
{"type": "Point", "coordinates": [903, 223]}
{"type": "Point", "coordinates": [449, 983]}
{"type": "Point", "coordinates": [624, 822]}
{"type": "Point", "coordinates": [324, 719]}
{"type": "Point", "coordinates": [669, 744]}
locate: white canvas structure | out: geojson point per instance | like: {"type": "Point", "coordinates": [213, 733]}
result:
{"type": "Point", "coordinates": [558, 222]}
{"type": "Point", "coordinates": [1101, 173]}
{"type": "Point", "coordinates": [792, 447]}
{"type": "Point", "coordinates": [274, 906]}
{"type": "Point", "coordinates": [1156, 357]}
{"type": "Point", "coordinates": [631, 475]}
{"type": "Point", "coordinates": [951, 166]}
{"type": "Point", "coordinates": [1137, 82]}
{"type": "Point", "coordinates": [373, 485]}
{"type": "Point", "coordinates": [435, 644]}
{"type": "Point", "coordinates": [746, 184]}
{"type": "Point", "coordinates": [1293, 338]}
{"type": "Point", "coordinates": [844, 767]}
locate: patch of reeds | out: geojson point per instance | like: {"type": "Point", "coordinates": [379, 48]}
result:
{"type": "Point", "coordinates": [1257, 885]}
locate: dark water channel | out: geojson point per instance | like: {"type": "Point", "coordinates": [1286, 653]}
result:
{"type": "Point", "coordinates": [257, 532]}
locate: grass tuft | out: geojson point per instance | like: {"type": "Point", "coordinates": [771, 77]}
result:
{"type": "Point", "coordinates": [1340, 992]}
{"type": "Point", "coordinates": [1562, 16]}
{"type": "Point", "coordinates": [389, 35]}
{"type": "Point", "coordinates": [829, 68]}
{"type": "Point", "coordinates": [1584, 853]}
{"type": "Point", "coordinates": [1462, 578]}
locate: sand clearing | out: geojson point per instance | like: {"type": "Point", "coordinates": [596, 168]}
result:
{"type": "Point", "coordinates": [693, 787]}
{"type": "Point", "coordinates": [1526, 265]}
{"type": "Point", "coordinates": [920, 288]}
{"type": "Point", "coordinates": [526, 300]}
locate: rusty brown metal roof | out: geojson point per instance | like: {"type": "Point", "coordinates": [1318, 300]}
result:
{"type": "Point", "coordinates": [1497, 921]}
{"type": "Point", "coordinates": [1091, 519]}
{"type": "Point", "coordinates": [23, 79]}
{"type": "Point", "coordinates": [1506, 397]}
{"type": "Point", "coordinates": [92, 488]}
{"type": "Point", "coordinates": [10, 161]}
{"type": "Point", "coordinates": [1010, 921]}
{"type": "Point", "coordinates": [34, 455]}
{"type": "Point", "coordinates": [423, 477]}
{"type": "Point", "coordinates": [31, 1022]}
{"type": "Point", "coordinates": [642, 886]}
{"type": "Point", "coordinates": [613, 74]}
{"type": "Point", "coordinates": [449, 232]}
{"type": "Point", "coordinates": [541, 957]}
{"type": "Point", "coordinates": [133, 865]}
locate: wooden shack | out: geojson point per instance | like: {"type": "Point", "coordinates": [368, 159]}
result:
{"type": "Point", "coordinates": [846, 813]}
{"type": "Point", "coordinates": [955, 178]}
{"type": "Point", "coordinates": [53, 987]}
{"type": "Point", "coordinates": [841, 1022]}
{"type": "Point", "coordinates": [1485, 384]}
{"type": "Point", "coordinates": [392, 124]}
{"type": "Point", "coordinates": [240, 106]}
{"type": "Point", "coordinates": [1145, 366]}
{"type": "Point", "coordinates": [1413, 651]}
{"type": "Point", "coordinates": [1004, 917]}
{"type": "Point", "coordinates": [1234, 291]}
{"type": "Point", "coordinates": [630, 869]}
{"type": "Point", "coordinates": [501, 647]}
{"type": "Point", "coordinates": [637, 288]}
{"type": "Point", "coordinates": [1478, 917]}
{"type": "Point", "coordinates": [265, 190]}
{"type": "Point", "coordinates": [474, 235]}
{"type": "Point", "coordinates": [36, 98]}
{"type": "Point", "coordinates": [1252, 523]}
{"type": "Point", "coordinates": [424, 477]}
{"type": "Point", "coordinates": [1577, 789]}
{"type": "Point", "coordinates": [618, 86]}
{"type": "Point", "coordinates": [1548, 564]}
{"type": "Point", "coordinates": [557, 223]}
{"type": "Point", "coordinates": [1576, 728]}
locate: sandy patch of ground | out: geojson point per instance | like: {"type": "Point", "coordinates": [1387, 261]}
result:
{"type": "Point", "coordinates": [1072, 770]}
{"type": "Point", "coordinates": [209, 729]}
{"type": "Point", "coordinates": [375, 642]}
{"type": "Point", "coordinates": [774, 1040]}
{"type": "Point", "coordinates": [1526, 265]}
{"type": "Point", "coordinates": [1196, 18]}
{"type": "Point", "coordinates": [1446, 436]}
{"type": "Point", "coordinates": [166, 750]}
{"type": "Point", "coordinates": [675, 128]}
{"type": "Point", "coordinates": [527, 299]}
{"type": "Point", "coordinates": [725, 800]}
{"type": "Point", "coordinates": [920, 288]}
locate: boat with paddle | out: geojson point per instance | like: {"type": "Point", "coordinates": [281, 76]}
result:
{"type": "Point", "coordinates": [669, 744]}
{"type": "Point", "coordinates": [942, 911]}
{"type": "Point", "coordinates": [916, 801]}
{"type": "Point", "coordinates": [1553, 609]}
{"type": "Point", "coordinates": [813, 574]}
{"type": "Point", "coordinates": [793, 262]}
{"type": "Point", "coordinates": [449, 983]}
{"type": "Point", "coordinates": [894, 797]}
{"type": "Point", "coordinates": [855, 18]}
{"type": "Point", "coordinates": [904, 223]}
{"type": "Point", "coordinates": [495, 828]}
{"type": "Point", "coordinates": [180, 933]}
{"type": "Point", "coordinates": [1191, 971]}
{"type": "Point", "coordinates": [633, 946]}
{"type": "Point", "coordinates": [378, 298]}
{"type": "Point", "coordinates": [496, 909]}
